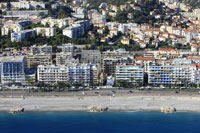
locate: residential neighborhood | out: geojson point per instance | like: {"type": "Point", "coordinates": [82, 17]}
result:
{"type": "Point", "coordinates": [99, 66]}
{"type": "Point", "coordinates": [81, 43]}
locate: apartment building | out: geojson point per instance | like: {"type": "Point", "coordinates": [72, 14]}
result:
{"type": "Point", "coordinates": [82, 74]}
{"type": "Point", "coordinates": [55, 22]}
{"type": "Point", "coordinates": [51, 74]}
{"type": "Point", "coordinates": [25, 13]}
{"type": "Point", "coordinates": [23, 5]}
{"type": "Point", "coordinates": [41, 50]}
{"type": "Point", "coordinates": [66, 55]}
{"type": "Point", "coordinates": [77, 29]}
{"type": "Point", "coordinates": [33, 61]}
{"type": "Point", "coordinates": [68, 48]}
{"type": "Point", "coordinates": [79, 74]}
{"type": "Point", "coordinates": [109, 59]}
{"type": "Point", "coordinates": [22, 35]}
{"type": "Point", "coordinates": [91, 56]}
{"type": "Point", "coordinates": [171, 74]}
{"type": "Point", "coordinates": [129, 73]}
{"type": "Point", "coordinates": [64, 58]}
{"type": "Point", "coordinates": [84, 23]}
{"type": "Point", "coordinates": [10, 28]}
{"type": "Point", "coordinates": [74, 31]}
{"type": "Point", "coordinates": [109, 64]}
{"type": "Point", "coordinates": [45, 31]}
{"type": "Point", "coordinates": [79, 12]}
{"type": "Point", "coordinates": [12, 69]}
{"type": "Point", "coordinates": [146, 61]}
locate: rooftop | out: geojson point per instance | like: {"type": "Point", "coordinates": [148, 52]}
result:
{"type": "Point", "coordinates": [145, 58]}
{"type": "Point", "coordinates": [12, 58]}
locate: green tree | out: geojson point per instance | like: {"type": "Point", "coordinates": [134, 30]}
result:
{"type": "Point", "coordinates": [8, 5]}
{"type": "Point", "coordinates": [41, 14]}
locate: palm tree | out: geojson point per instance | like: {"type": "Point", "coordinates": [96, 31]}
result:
{"type": "Point", "coordinates": [133, 81]}
{"type": "Point", "coordinates": [185, 81]}
{"type": "Point", "coordinates": [30, 82]}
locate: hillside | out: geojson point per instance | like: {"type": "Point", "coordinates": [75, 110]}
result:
{"type": "Point", "coordinates": [193, 3]}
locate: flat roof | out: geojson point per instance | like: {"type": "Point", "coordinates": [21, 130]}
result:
{"type": "Point", "coordinates": [11, 59]}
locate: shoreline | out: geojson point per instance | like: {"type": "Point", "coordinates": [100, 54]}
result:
{"type": "Point", "coordinates": [118, 103]}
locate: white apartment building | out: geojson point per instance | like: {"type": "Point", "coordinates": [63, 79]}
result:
{"type": "Point", "coordinates": [80, 10]}
{"type": "Point", "coordinates": [55, 22]}
{"type": "Point", "coordinates": [44, 31]}
{"type": "Point", "coordinates": [51, 74]}
{"type": "Point", "coordinates": [75, 73]}
{"type": "Point", "coordinates": [22, 35]}
{"type": "Point", "coordinates": [25, 13]}
{"type": "Point", "coordinates": [23, 4]}
{"type": "Point", "coordinates": [129, 73]}
{"type": "Point", "coordinates": [10, 28]}
{"type": "Point", "coordinates": [77, 29]}
{"type": "Point", "coordinates": [74, 31]}
{"type": "Point", "coordinates": [98, 18]}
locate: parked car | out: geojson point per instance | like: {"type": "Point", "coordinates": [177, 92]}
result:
{"type": "Point", "coordinates": [130, 91]}
{"type": "Point", "coordinates": [96, 92]}
{"type": "Point", "coordinates": [141, 88]}
{"type": "Point", "coordinates": [113, 92]}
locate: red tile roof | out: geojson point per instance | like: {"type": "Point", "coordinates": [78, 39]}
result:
{"type": "Point", "coordinates": [145, 58]}
{"type": "Point", "coordinates": [167, 49]}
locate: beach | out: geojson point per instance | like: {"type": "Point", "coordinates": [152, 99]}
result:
{"type": "Point", "coordinates": [131, 102]}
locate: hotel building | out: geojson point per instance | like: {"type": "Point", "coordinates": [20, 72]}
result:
{"type": "Point", "coordinates": [82, 74]}
{"type": "Point", "coordinates": [129, 73]}
{"type": "Point", "coordinates": [12, 69]}
{"type": "Point", "coordinates": [171, 74]}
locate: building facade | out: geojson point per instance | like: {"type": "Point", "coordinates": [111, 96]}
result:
{"type": "Point", "coordinates": [32, 61]}
{"type": "Point", "coordinates": [74, 31]}
{"type": "Point", "coordinates": [12, 69]}
{"type": "Point", "coordinates": [171, 74]}
{"type": "Point", "coordinates": [82, 74]}
{"type": "Point", "coordinates": [41, 50]}
{"type": "Point", "coordinates": [129, 73]}
{"type": "Point", "coordinates": [44, 31]}
{"type": "Point", "coordinates": [91, 56]}
{"type": "Point", "coordinates": [77, 29]}
{"type": "Point", "coordinates": [22, 35]}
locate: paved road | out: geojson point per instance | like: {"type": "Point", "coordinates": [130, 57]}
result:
{"type": "Point", "coordinates": [95, 92]}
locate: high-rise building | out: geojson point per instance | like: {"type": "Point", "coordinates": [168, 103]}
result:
{"type": "Point", "coordinates": [45, 31]}
{"type": "Point", "coordinates": [77, 29]}
{"type": "Point", "coordinates": [42, 50]}
{"type": "Point", "coordinates": [12, 69]}
{"type": "Point", "coordinates": [32, 61]}
{"type": "Point", "coordinates": [171, 74]}
{"type": "Point", "coordinates": [129, 73]}
{"type": "Point", "coordinates": [82, 74]}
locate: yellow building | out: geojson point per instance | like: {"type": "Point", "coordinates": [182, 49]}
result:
{"type": "Point", "coordinates": [125, 41]}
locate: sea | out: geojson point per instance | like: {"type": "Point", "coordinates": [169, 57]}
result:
{"type": "Point", "coordinates": [107, 122]}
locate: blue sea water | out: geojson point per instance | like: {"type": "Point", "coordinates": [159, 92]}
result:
{"type": "Point", "coordinates": [108, 122]}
